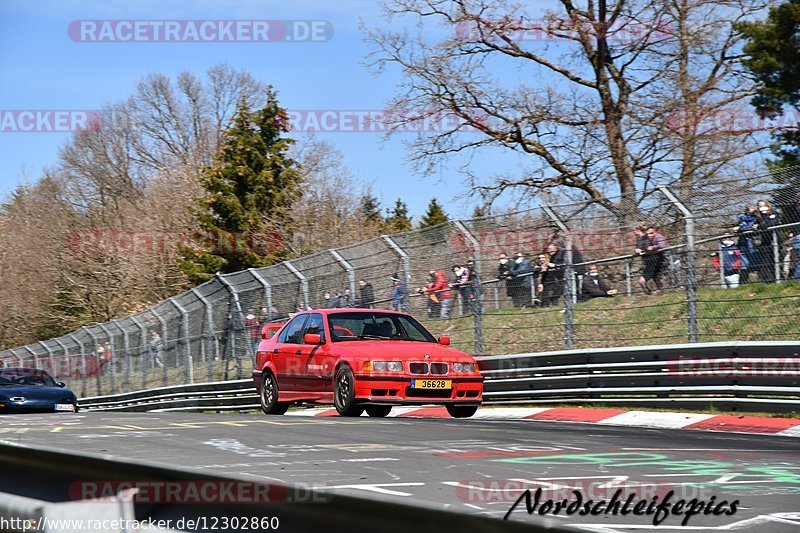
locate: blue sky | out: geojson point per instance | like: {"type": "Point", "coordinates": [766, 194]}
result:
{"type": "Point", "coordinates": [42, 68]}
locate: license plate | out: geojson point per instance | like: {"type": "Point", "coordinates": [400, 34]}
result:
{"type": "Point", "coordinates": [65, 407]}
{"type": "Point", "coordinates": [431, 384]}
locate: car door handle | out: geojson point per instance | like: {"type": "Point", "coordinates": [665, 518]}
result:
{"type": "Point", "coordinates": [298, 352]}
{"type": "Point", "coordinates": [275, 350]}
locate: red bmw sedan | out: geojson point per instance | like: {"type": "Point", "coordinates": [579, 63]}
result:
{"type": "Point", "coordinates": [363, 359]}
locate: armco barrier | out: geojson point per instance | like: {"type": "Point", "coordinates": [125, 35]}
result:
{"type": "Point", "coordinates": [40, 483]}
{"type": "Point", "coordinates": [730, 376]}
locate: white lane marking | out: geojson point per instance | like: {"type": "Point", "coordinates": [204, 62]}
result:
{"type": "Point", "coordinates": [790, 432]}
{"type": "Point", "coordinates": [655, 419]}
{"type": "Point", "coordinates": [508, 413]}
{"type": "Point", "coordinates": [379, 488]}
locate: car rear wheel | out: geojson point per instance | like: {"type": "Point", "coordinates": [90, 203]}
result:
{"type": "Point", "coordinates": [378, 410]}
{"type": "Point", "coordinates": [269, 396]}
{"type": "Point", "coordinates": [461, 411]}
{"type": "Point", "coordinates": [344, 393]}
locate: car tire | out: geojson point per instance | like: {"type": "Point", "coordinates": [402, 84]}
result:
{"type": "Point", "coordinates": [269, 396]}
{"type": "Point", "coordinates": [461, 411]}
{"type": "Point", "coordinates": [378, 411]}
{"type": "Point", "coordinates": [344, 393]}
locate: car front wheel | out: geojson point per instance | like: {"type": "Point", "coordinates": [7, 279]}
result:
{"type": "Point", "coordinates": [461, 411]}
{"type": "Point", "coordinates": [269, 396]}
{"type": "Point", "coordinates": [344, 393]}
{"type": "Point", "coordinates": [378, 411]}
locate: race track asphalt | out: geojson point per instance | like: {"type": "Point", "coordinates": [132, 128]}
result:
{"type": "Point", "coordinates": [471, 466]}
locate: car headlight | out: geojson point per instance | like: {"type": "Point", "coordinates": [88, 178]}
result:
{"type": "Point", "coordinates": [384, 366]}
{"type": "Point", "coordinates": [464, 367]}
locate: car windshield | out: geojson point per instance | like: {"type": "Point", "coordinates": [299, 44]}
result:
{"type": "Point", "coordinates": [366, 325]}
{"type": "Point", "coordinates": [21, 377]}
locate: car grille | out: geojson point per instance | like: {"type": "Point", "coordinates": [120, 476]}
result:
{"type": "Point", "coordinates": [439, 368]}
{"type": "Point", "coordinates": [418, 368]}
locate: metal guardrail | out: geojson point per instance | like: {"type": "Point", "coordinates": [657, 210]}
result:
{"type": "Point", "coordinates": [43, 482]}
{"type": "Point", "coordinates": [734, 376]}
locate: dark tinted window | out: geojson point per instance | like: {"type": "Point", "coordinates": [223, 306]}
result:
{"type": "Point", "coordinates": [292, 333]}
{"type": "Point", "coordinates": [315, 325]}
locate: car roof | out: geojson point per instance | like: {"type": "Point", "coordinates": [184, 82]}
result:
{"type": "Point", "coordinates": [337, 310]}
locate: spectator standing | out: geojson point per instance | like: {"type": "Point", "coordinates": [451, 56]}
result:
{"type": "Point", "coordinates": [520, 283]}
{"type": "Point", "coordinates": [439, 295]}
{"type": "Point", "coordinates": [655, 262]}
{"type": "Point", "coordinates": [593, 286]}
{"type": "Point", "coordinates": [504, 274]}
{"type": "Point", "coordinates": [748, 223]}
{"type": "Point", "coordinates": [730, 260]}
{"type": "Point", "coordinates": [399, 294]}
{"type": "Point", "coordinates": [764, 249]}
{"type": "Point", "coordinates": [367, 295]}
{"type": "Point", "coordinates": [253, 329]}
{"type": "Point", "coordinates": [794, 245]}
{"type": "Point", "coordinates": [551, 282]}
{"type": "Point", "coordinates": [464, 278]}
{"type": "Point", "coordinates": [348, 300]}
{"type": "Point", "coordinates": [156, 347]}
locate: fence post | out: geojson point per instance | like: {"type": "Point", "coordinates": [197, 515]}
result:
{"type": "Point", "coordinates": [82, 356]}
{"type": "Point", "coordinates": [238, 324]}
{"type": "Point", "coordinates": [144, 351]}
{"type": "Point", "coordinates": [110, 357]}
{"type": "Point", "coordinates": [629, 276]}
{"type": "Point", "coordinates": [406, 265]}
{"type": "Point", "coordinates": [49, 356]}
{"type": "Point", "coordinates": [164, 332]}
{"type": "Point", "coordinates": [95, 354]}
{"type": "Point", "coordinates": [691, 281]}
{"type": "Point", "coordinates": [721, 260]}
{"type": "Point", "coordinates": [569, 280]}
{"type": "Point", "coordinates": [477, 307]}
{"type": "Point", "coordinates": [209, 330]}
{"type": "Point", "coordinates": [188, 372]}
{"type": "Point", "coordinates": [20, 361]}
{"type": "Point", "coordinates": [267, 290]}
{"type": "Point", "coordinates": [303, 283]}
{"type": "Point", "coordinates": [776, 255]}
{"type": "Point", "coordinates": [35, 357]}
{"type": "Point", "coordinates": [351, 272]}
{"type": "Point", "coordinates": [126, 346]}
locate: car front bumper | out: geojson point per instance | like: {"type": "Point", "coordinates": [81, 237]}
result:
{"type": "Point", "coordinates": [397, 390]}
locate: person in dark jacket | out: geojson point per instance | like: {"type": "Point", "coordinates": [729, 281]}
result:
{"type": "Point", "coordinates": [551, 280]}
{"type": "Point", "coordinates": [593, 286]}
{"type": "Point", "coordinates": [520, 282]}
{"type": "Point", "coordinates": [367, 294]}
{"type": "Point", "coordinates": [504, 273]}
{"type": "Point", "coordinates": [748, 222]}
{"type": "Point", "coordinates": [764, 249]}
{"type": "Point", "coordinates": [652, 252]}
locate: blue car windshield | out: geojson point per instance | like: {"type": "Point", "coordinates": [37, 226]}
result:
{"type": "Point", "coordinates": [17, 377]}
{"type": "Point", "coordinates": [371, 325]}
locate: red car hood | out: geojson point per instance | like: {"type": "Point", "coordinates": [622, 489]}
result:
{"type": "Point", "coordinates": [386, 350]}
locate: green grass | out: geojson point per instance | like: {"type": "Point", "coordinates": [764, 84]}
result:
{"type": "Point", "coordinates": [753, 312]}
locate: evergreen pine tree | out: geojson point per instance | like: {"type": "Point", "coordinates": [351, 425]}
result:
{"type": "Point", "coordinates": [245, 214]}
{"type": "Point", "coordinates": [434, 215]}
{"type": "Point", "coordinates": [397, 219]}
{"type": "Point", "coordinates": [371, 209]}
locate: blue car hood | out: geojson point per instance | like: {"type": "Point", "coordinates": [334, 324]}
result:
{"type": "Point", "coordinates": [36, 392]}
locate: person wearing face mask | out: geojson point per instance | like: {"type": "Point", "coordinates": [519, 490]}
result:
{"type": "Point", "coordinates": [551, 278]}
{"type": "Point", "coordinates": [765, 252]}
{"type": "Point", "coordinates": [732, 262]}
{"type": "Point", "coordinates": [521, 278]}
{"type": "Point", "coordinates": [593, 286]}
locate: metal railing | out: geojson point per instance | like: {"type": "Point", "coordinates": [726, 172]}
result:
{"type": "Point", "coordinates": [729, 376]}
{"type": "Point", "coordinates": [210, 332]}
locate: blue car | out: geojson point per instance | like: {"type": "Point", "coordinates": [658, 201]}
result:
{"type": "Point", "coordinates": [32, 390]}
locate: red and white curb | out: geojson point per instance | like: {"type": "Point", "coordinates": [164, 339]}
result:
{"type": "Point", "coordinates": [786, 427]}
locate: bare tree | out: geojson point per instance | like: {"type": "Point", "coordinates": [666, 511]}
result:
{"type": "Point", "coordinates": [589, 93]}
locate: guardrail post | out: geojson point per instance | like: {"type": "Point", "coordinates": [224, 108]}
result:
{"type": "Point", "coordinates": [569, 280]}
{"type": "Point", "coordinates": [267, 290]}
{"type": "Point", "coordinates": [477, 305]}
{"type": "Point", "coordinates": [164, 335]}
{"type": "Point", "coordinates": [303, 283]}
{"type": "Point", "coordinates": [405, 263]}
{"type": "Point", "coordinates": [351, 272]}
{"type": "Point", "coordinates": [188, 371]}
{"type": "Point", "coordinates": [209, 330]}
{"type": "Point", "coordinates": [238, 325]}
{"type": "Point", "coordinates": [110, 357]}
{"type": "Point", "coordinates": [691, 280]}
{"type": "Point", "coordinates": [146, 359]}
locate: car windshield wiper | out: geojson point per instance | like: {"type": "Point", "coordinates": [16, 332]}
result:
{"type": "Point", "coordinates": [374, 337]}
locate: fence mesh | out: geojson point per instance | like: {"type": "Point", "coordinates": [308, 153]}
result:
{"type": "Point", "coordinates": [674, 265]}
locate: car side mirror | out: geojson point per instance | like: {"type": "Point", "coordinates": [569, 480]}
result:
{"type": "Point", "coordinates": [61, 384]}
{"type": "Point", "coordinates": [265, 331]}
{"type": "Point", "coordinates": [312, 338]}
{"type": "Point", "coordinates": [444, 340]}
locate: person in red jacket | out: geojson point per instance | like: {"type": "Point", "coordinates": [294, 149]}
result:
{"type": "Point", "coordinates": [439, 295]}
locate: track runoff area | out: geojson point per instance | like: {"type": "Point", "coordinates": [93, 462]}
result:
{"type": "Point", "coordinates": [478, 466]}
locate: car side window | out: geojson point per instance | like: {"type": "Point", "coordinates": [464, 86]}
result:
{"type": "Point", "coordinates": [315, 325]}
{"type": "Point", "coordinates": [411, 331]}
{"type": "Point", "coordinates": [292, 333]}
